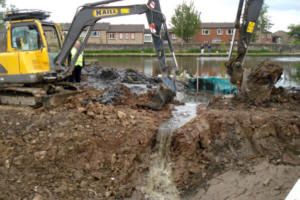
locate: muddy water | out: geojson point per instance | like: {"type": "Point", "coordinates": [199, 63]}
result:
{"type": "Point", "coordinates": [159, 183]}
{"type": "Point", "coordinates": [208, 66]}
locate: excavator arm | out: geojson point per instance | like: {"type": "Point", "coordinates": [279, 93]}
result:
{"type": "Point", "coordinates": [245, 24]}
{"type": "Point", "coordinates": [88, 15]}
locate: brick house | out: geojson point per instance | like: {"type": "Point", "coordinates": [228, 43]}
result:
{"type": "Point", "coordinates": [173, 37]}
{"type": "Point", "coordinates": [263, 38]}
{"type": "Point", "coordinates": [126, 34]}
{"type": "Point", "coordinates": [214, 33]}
{"type": "Point", "coordinates": [106, 33]}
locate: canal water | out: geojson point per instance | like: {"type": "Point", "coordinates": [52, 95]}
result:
{"type": "Point", "coordinates": [208, 66]}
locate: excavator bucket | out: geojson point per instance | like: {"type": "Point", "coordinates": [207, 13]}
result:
{"type": "Point", "coordinates": [159, 31]}
{"type": "Point", "coordinates": [250, 9]}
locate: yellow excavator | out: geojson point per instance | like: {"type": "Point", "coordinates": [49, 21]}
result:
{"type": "Point", "coordinates": [34, 64]}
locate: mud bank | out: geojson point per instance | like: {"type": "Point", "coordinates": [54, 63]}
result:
{"type": "Point", "coordinates": [80, 150]}
{"type": "Point", "coordinates": [234, 150]}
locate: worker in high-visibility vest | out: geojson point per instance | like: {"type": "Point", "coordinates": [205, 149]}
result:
{"type": "Point", "coordinates": [76, 75]}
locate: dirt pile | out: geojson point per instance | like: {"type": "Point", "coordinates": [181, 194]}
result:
{"type": "Point", "coordinates": [102, 78]}
{"type": "Point", "coordinates": [259, 84]}
{"type": "Point", "coordinates": [80, 150]}
{"type": "Point", "coordinates": [232, 136]}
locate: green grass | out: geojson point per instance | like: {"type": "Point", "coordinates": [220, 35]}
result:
{"type": "Point", "coordinates": [119, 51]}
{"type": "Point", "coordinates": [191, 51]}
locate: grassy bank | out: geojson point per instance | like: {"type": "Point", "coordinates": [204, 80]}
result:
{"type": "Point", "coordinates": [190, 53]}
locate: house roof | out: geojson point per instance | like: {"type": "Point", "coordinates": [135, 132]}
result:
{"type": "Point", "coordinates": [98, 26]}
{"type": "Point", "coordinates": [120, 28]}
{"type": "Point", "coordinates": [127, 28]}
{"type": "Point", "coordinates": [217, 25]}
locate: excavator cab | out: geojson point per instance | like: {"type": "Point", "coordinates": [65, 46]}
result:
{"type": "Point", "coordinates": [29, 47]}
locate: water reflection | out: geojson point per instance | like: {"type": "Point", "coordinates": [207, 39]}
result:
{"type": "Point", "coordinates": [207, 66]}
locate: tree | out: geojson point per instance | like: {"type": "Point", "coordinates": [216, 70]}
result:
{"type": "Point", "coordinates": [264, 23]}
{"type": "Point", "coordinates": [2, 9]}
{"type": "Point", "coordinates": [186, 21]}
{"type": "Point", "coordinates": [294, 31]}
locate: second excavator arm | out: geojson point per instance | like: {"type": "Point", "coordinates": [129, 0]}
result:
{"type": "Point", "coordinates": [245, 24]}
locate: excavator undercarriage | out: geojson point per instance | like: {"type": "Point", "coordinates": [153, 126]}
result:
{"type": "Point", "coordinates": [36, 95]}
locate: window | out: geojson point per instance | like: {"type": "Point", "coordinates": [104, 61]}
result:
{"type": "Point", "coordinates": [262, 36]}
{"type": "Point", "coordinates": [132, 36]}
{"type": "Point", "coordinates": [147, 37]}
{"type": "Point", "coordinates": [95, 34]}
{"type": "Point", "coordinates": [174, 36]}
{"type": "Point", "coordinates": [121, 36]}
{"type": "Point", "coordinates": [205, 31]}
{"type": "Point", "coordinates": [127, 36]}
{"type": "Point", "coordinates": [26, 38]}
{"type": "Point", "coordinates": [229, 31]}
{"type": "Point", "coordinates": [52, 39]}
{"type": "Point", "coordinates": [111, 36]}
{"type": "Point", "coordinates": [220, 31]}
{"type": "Point", "coordinates": [53, 43]}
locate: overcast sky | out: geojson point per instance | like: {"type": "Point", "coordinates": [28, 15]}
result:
{"type": "Point", "coordinates": [282, 12]}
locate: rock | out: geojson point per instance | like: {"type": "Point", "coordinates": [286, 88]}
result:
{"type": "Point", "coordinates": [108, 194]}
{"type": "Point", "coordinates": [121, 115]}
{"type": "Point", "coordinates": [40, 155]}
{"type": "Point", "coordinates": [7, 164]}
{"type": "Point", "coordinates": [37, 197]}
{"type": "Point", "coordinates": [267, 182]}
{"type": "Point", "coordinates": [90, 113]}
{"type": "Point", "coordinates": [81, 109]}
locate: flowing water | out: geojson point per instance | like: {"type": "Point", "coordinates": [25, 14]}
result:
{"type": "Point", "coordinates": [159, 183]}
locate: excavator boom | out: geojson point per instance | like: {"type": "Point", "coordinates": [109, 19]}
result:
{"type": "Point", "coordinates": [245, 24]}
{"type": "Point", "coordinates": [89, 14]}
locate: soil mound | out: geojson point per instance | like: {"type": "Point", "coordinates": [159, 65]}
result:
{"type": "Point", "coordinates": [80, 150]}
{"type": "Point", "coordinates": [228, 135]}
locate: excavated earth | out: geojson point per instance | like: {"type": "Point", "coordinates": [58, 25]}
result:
{"type": "Point", "coordinates": [94, 146]}
{"type": "Point", "coordinates": [80, 150]}
{"type": "Point", "coordinates": [98, 145]}
{"type": "Point", "coordinates": [235, 150]}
